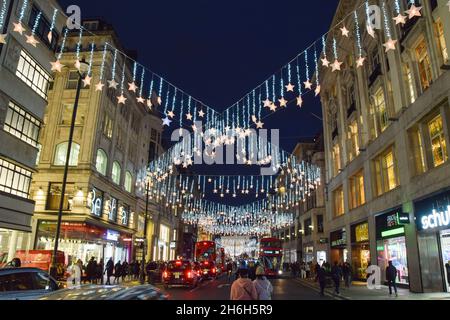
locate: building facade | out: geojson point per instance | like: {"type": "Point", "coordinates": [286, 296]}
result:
{"type": "Point", "coordinates": [24, 79]}
{"type": "Point", "coordinates": [386, 129]}
{"type": "Point", "coordinates": [105, 200]}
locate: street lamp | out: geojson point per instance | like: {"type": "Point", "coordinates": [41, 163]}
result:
{"type": "Point", "coordinates": [82, 72]}
{"type": "Point", "coordinates": [144, 252]}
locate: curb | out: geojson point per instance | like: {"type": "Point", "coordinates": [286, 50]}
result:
{"type": "Point", "coordinates": [328, 293]}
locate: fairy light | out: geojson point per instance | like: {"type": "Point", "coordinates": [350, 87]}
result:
{"type": "Point", "coordinates": [358, 35]}
{"type": "Point", "coordinates": [335, 52]}
{"type": "Point", "coordinates": [2, 14]}
{"type": "Point", "coordinates": [299, 80]}
{"type": "Point", "coordinates": [317, 68]}
{"type": "Point", "coordinates": [141, 89]}
{"type": "Point", "coordinates": [181, 111]}
{"type": "Point", "coordinates": [166, 105]}
{"type": "Point", "coordinates": [23, 10]}
{"type": "Point", "coordinates": [91, 59]}
{"type": "Point", "coordinates": [289, 73]}
{"type": "Point", "coordinates": [36, 23]}
{"type": "Point", "coordinates": [122, 82]}
{"type": "Point", "coordinates": [63, 43]}
{"type": "Point", "coordinates": [150, 89]}
{"type": "Point", "coordinates": [160, 87]}
{"type": "Point", "coordinates": [134, 71]}
{"type": "Point", "coordinates": [114, 66]}
{"type": "Point", "coordinates": [387, 28]}
{"type": "Point", "coordinates": [397, 7]}
{"type": "Point", "coordinates": [324, 47]}
{"type": "Point", "coordinates": [80, 39]}
{"type": "Point", "coordinates": [273, 88]}
{"type": "Point", "coordinates": [102, 67]}
{"type": "Point", "coordinates": [306, 64]}
{"type": "Point", "coordinates": [259, 106]}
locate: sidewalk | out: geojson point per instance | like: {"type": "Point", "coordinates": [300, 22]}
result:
{"type": "Point", "coordinates": [359, 291]}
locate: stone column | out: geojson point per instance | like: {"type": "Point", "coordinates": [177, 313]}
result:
{"type": "Point", "coordinates": [12, 245]}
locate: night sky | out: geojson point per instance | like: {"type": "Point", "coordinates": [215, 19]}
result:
{"type": "Point", "coordinates": [218, 51]}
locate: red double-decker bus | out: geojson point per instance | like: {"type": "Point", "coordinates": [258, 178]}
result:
{"type": "Point", "coordinates": [270, 255]}
{"type": "Point", "coordinates": [206, 256]}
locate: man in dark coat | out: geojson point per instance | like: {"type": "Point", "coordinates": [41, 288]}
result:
{"type": "Point", "coordinates": [117, 272]}
{"type": "Point", "coordinates": [321, 276]}
{"type": "Point", "coordinates": [91, 270]}
{"type": "Point", "coordinates": [336, 275]}
{"type": "Point", "coordinates": [391, 278]}
{"type": "Point", "coordinates": [109, 271]}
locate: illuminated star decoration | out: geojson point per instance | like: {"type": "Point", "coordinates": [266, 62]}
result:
{"type": "Point", "coordinates": [166, 122]}
{"type": "Point", "coordinates": [57, 66]}
{"type": "Point", "coordinates": [317, 91]}
{"type": "Point", "coordinates": [19, 28]}
{"type": "Point", "coordinates": [87, 81]}
{"type": "Point", "coordinates": [400, 19]}
{"type": "Point", "coordinates": [113, 84]}
{"type": "Point", "coordinates": [267, 103]}
{"type": "Point", "coordinates": [2, 38]}
{"type": "Point", "coordinates": [99, 86]}
{"type": "Point", "coordinates": [189, 116]}
{"type": "Point", "coordinates": [259, 125]}
{"type": "Point", "coordinates": [336, 66]}
{"type": "Point", "coordinates": [371, 31]}
{"type": "Point", "coordinates": [273, 107]}
{"type": "Point", "coordinates": [360, 61]}
{"type": "Point", "coordinates": [283, 102]}
{"type": "Point", "coordinates": [390, 44]}
{"type": "Point", "coordinates": [78, 64]}
{"type": "Point", "coordinates": [32, 40]}
{"type": "Point", "coordinates": [290, 87]}
{"type": "Point", "coordinates": [121, 99]}
{"type": "Point", "coordinates": [414, 12]}
{"type": "Point", "coordinates": [140, 100]}
{"type": "Point", "coordinates": [345, 31]}
{"type": "Point", "coordinates": [171, 114]}
{"type": "Point", "coordinates": [201, 114]}
{"type": "Point", "coordinates": [325, 62]}
{"type": "Point", "coordinates": [132, 87]}
{"type": "Point", "coordinates": [308, 84]}
{"type": "Point", "coordinates": [149, 103]}
{"type": "Point", "coordinates": [299, 101]}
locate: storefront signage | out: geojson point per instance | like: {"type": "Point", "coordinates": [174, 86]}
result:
{"type": "Point", "coordinates": [96, 203]}
{"type": "Point", "coordinates": [393, 232]}
{"type": "Point", "coordinates": [173, 245]}
{"type": "Point", "coordinates": [389, 224]}
{"type": "Point", "coordinates": [323, 240]}
{"type": "Point", "coordinates": [362, 232]}
{"type": "Point", "coordinates": [403, 218]}
{"type": "Point", "coordinates": [338, 238]}
{"type": "Point", "coordinates": [433, 213]}
{"type": "Point", "coordinates": [112, 209]}
{"type": "Point", "coordinates": [112, 235]}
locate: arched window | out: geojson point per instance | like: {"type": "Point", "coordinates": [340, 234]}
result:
{"type": "Point", "coordinates": [61, 154]}
{"type": "Point", "coordinates": [116, 171]}
{"type": "Point", "coordinates": [128, 181]}
{"type": "Point", "coordinates": [101, 162]}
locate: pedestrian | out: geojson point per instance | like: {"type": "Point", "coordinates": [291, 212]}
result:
{"type": "Point", "coordinates": [347, 273]}
{"type": "Point", "coordinates": [124, 271]}
{"type": "Point", "coordinates": [336, 275]}
{"type": "Point", "coordinates": [109, 271]}
{"type": "Point", "coordinates": [391, 277]}
{"type": "Point", "coordinates": [243, 288]}
{"type": "Point", "coordinates": [321, 277]}
{"type": "Point", "coordinates": [137, 267]}
{"type": "Point", "coordinates": [91, 269]}
{"type": "Point", "coordinates": [263, 286]}
{"type": "Point", "coordinates": [99, 272]}
{"type": "Point", "coordinates": [117, 272]}
{"type": "Point", "coordinates": [229, 271]}
{"type": "Point", "coordinates": [447, 269]}
{"type": "Point", "coordinates": [75, 275]}
{"type": "Point", "coordinates": [252, 271]}
{"type": "Point", "coordinates": [308, 270]}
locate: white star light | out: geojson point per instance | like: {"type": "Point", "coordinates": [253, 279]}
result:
{"type": "Point", "coordinates": [400, 19]}
{"type": "Point", "coordinates": [267, 103]}
{"type": "Point", "coordinates": [189, 116]}
{"type": "Point", "coordinates": [317, 91]}
{"type": "Point", "coordinates": [132, 87]}
{"type": "Point", "coordinates": [360, 61]}
{"type": "Point", "coordinates": [345, 31]}
{"type": "Point", "coordinates": [283, 102]}
{"type": "Point", "coordinates": [390, 44]}
{"type": "Point", "coordinates": [290, 87]}
{"type": "Point", "coordinates": [299, 101]}
{"type": "Point", "coordinates": [325, 62]}
{"type": "Point", "coordinates": [166, 122]}
{"type": "Point", "coordinates": [259, 125]}
{"type": "Point", "coordinates": [140, 100]}
{"type": "Point", "coordinates": [308, 84]}
{"type": "Point", "coordinates": [87, 81]}
{"type": "Point", "coordinates": [113, 84]}
{"type": "Point", "coordinates": [2, 38]}
{"type": "Point", "coordinates": [32, 40]}
{"type": "Point", "coordinates": [414, 12]}
{"type": "Point", "coordinates": [57, 66]}
{"type": "Point", "coordinates": [19, 28]}
{"type": "Point", "coordinates": [171, 114]}
{"type": "Point", "coordinates": [273, 107]}
{"type": "Point", "coordinates": [78, 64]}
{"type": "Point", "coordinates": [336, 66]}
{"type": "Point", "coordinates": [201, 114]}
{"type": "Point", "coordinates": [149, 103]}
{"type": "Point", "coordinates": [99, 86]}
{"type": "Point", "coordinates": [121, 99]}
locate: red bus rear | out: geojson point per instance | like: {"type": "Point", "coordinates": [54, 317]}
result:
{"type": "Point", "coordinates": [270, 255]}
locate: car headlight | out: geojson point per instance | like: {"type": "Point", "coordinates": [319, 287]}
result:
{"type": "Point", "coordinates": [280, 272]}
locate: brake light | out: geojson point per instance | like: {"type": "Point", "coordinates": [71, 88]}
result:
{"type": "Point", "coordinates": [206, 263]}
{"type": "Point", "coordinates": [178, 263]}
{"type": "Point", "coordinates": [214, 270]}
{"type": "Point", "coordinates": [189, 275]}
{"type": "Point", "coordinates": [165, 274]}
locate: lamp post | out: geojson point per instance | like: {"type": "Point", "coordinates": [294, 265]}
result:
{"type": "Point", "coordinates": [82, 72]}
{"type": "Point", "coordinates": [144, 252]}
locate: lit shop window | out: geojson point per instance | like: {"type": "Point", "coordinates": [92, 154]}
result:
{"type": "Point", "coordinates": [357, 193]}
{"type": "Point", "coordinates": [423, 60]}
{"type": "Point", "coordinates": [116, 172]}
{"type": "Point", "coordinates": [385, 172]}
{"type": "Point", "coordinates": [61, 154]}
{"type": "Point", "coordinates": [410, 82]}
{"type": "Point", "coordinates": [353, 140]}
{"type": "Point", "coordinates": [101, 162]}
{"type": "Point", "coordinates": [108, 126]}
{"type": "Point", "coordinates": [380, 113]}
{"type": "Point", "coordinates": [128, 181]}
{"type": "Point", "coordinates": [336, 159]}
{"type": "Point", "coordinates": [33, 74]}
{"type": "Point", "coordinates": [439, 29]}
{"type": "Point", "coordinates": [418, 151]}
{"type": "Point", "coordinates": [14, 179]}
{"type": "Point", "coordinates": [338, 197]}
{"type": "Point", "coordinates": [438, 144]}
{"type": "Point", "coordinates": [21, 124]}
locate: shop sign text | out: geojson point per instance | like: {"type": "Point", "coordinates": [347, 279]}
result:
{"type": "Point", "coordinates": [436, 219]}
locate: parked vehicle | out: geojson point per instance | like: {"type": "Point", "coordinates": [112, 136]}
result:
{"type": "Point", "coordinates": [25, 284]}
{"type": "Point", "coordinates": [117, 292]}
{"type": "Point", "coordinates": [208, 270]}
{"type": "Point", "coordinates": [180, 273]}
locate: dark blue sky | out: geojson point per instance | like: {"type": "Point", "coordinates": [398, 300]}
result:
{"type": "Point", "coordinates": [217, 51]}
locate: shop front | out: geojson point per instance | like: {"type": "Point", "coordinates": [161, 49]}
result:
{"type": "Point", "coordinates": [433, 226]}
{"type": "Point", "coordinates": [12, 241]}
{"type": "Point", "coordinates": [360, 250]}
{"type": "Point", "coordinates": [308, 252]}
{"type": "Point", "coordinates": [338, 246]}
{"type": "Point", "coordinates": [391, 244]}
{"type": "Point", "coordinates": [82, 240]}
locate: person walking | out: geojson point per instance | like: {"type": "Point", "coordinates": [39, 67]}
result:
{"type": "Point", "coordinates": [391, 278]}
{"type": "Point", "coordinates": [91, 269]}
{"type": "Point", "coordinates": [321, 277]}
{"type": "Point", "coordinates": [347, 273]}
{"type": "Point", "coordinates": [263, 287]}
{"type": "Point", "coordinates": [243, 288]}
{"type": "Point", "coordinates": [109, 271]}
{"type": "Point", "coordinates": [117, 272]}
{"type": "Point", "coordinates": [124, 271]}
{"type": "Point", "coordinates": [336, 275]}
{"type": "Point", "coordinates": [229, 271]}
{"type": "Point", "coordinates": [99, 272]}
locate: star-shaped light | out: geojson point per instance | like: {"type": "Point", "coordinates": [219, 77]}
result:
{"type": "Point", "coordinates": [194, 128]}
{"type": "Point", "coordinates": [149, 103]}
{"type": "Point", "coordinates": [336, 66]}
{"type": "Point", "coordinates": [57, 66]}
{"type": "Point", "coordinates": [308, 84]}
{"type": "Point", "coordinates": [32, 40]}
{"type": "Point", "coordinates": [259, 125]}
{"type": "Point", "coordinates": [414, 12]}
{"type": "Point", "coordinates": [87, 81]}
{"type": "Point", "coordinates": [132, 87]}
{"type": "Point", "coordinates": [371, 31]}
{"type": "Point", "coordinates": [166, 122]}
{"type": "Point", "coordinates": [19, 28]}
{"type": "Point", "coordinates": [121, 99]}
{"type": "Point", "coordinates": [78, 64]}
{"type": "Point", "coordinates": [113, 84]}
{"type": "Point", "coordinates": [345, 31]}
{"type": "Point", "coordinates": [267, 103]}
{"type": "Point", "coordinates": [400, 19]}
{"type": "Point", "coordinates": [171, 114]}
{"type": "Point", "coordinates": [201, 114]}
{"type": "Point", "coordinates": [360, 61]}
{"type": "Point", "coordinates": [254, 119]}
{"type": "Point", "coordinates": [299, 101]}
{"type": "Point", "coordinates": [290, 87]}
{"type": "Point", "coordinates": [2, 38]}
{"type": "Point", "coordinates": [159, 100]}
{"type": "Point", "coordinates": [390, 44]}
{"type": "Point", "coordinates": [317, 91]}
{"type": "Point", "coordinates": [50, 36]}
{"type": "Point", "coordinates": [99, 86]}
{"type": "Point", "coordinates": [273, 107]}
{"type": "Point", "coordinates": [189, 116]}
{"type": "Point", "coordinates": [325, 62]}
{"type": "Point", "coordinates": [283, 102]}
{"type": "Point", "coordinates": [140, 100]}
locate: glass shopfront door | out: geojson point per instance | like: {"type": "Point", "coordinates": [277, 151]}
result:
{"type": "Point", "coordinates": [394, 249]}
{"type": "Point", "coordinates": [445, 248]}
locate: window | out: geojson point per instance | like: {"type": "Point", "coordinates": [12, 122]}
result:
{"type": "Point", "coordinates": [424, 65]}
{"type": "Point", "coordinates": [357, 194]}
{"type": "Point", "coordinates": [152, 151]}
{"type": "Point", "coordinates": [21, 124]}
{"type": "Point", "coordinates": [72, 82]}
{"type": "Point", "coordinates": [439, 29]}
{"type": "Point", "coordinates": [108, 126]}
{"type": "Point", "coordinates": [379, 113]}
{"type": "Point", "coordinates": [14, 179]}
{"type": "Point", "coordinates": [308, 227]}
{"type": "Point", "coordinates": [54, 196]}
{"type": "Point", "coordinates": [43, 29]}
{"type": "Point", "coordinates": [385, 172]}
{"type": "Point", "coordinates": [128, 181]}
{"type": "Point", "coordinates": [336, 158]}
{"type": "Point", "coordinates": [338, 198]}
{"type": "Point", "coordinates": [353, 140]}
{"type": "Point", "coordinates": [61, 154]}
{"type": "Point", "coordinates": [410, 83]}
{"type": "Point", "coordinates": [116, 172]}
{"type": "Point", "coordinates": [16, 282]}
{"type": "Point", "coordinates": [101, 163]}
{"type": "Point", "coordinates": [320, 228]}
{"type": "Point", "coordinates": [438, 144]}
{"type": "Point", "coordinates": [417, 151]}
{"type": "Point", "coordinates": [33, 74]}
{"type": "Point", "coordinates": [67, 112]}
